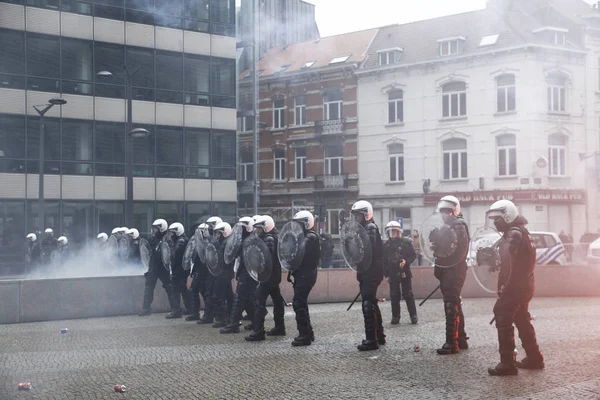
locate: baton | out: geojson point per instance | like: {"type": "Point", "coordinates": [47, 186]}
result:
{"type": "Point", "coordinates": [430, 294]}
{"type": "Point", "coordinates": [493, 319]}
{"type": "Point", "coordinates": [353, 301]}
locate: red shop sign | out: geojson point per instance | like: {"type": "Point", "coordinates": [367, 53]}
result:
{"type": "Point", "coordinates": [518, 196]}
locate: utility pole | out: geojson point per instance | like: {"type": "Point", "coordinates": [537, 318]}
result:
{"type": "Point", "coordinates": [255, 103]}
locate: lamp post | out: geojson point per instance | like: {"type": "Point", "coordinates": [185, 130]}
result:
{"type": "Point", "coordinates": [42, 112]}
{"type": "Point", "coordinates": [131, 134]}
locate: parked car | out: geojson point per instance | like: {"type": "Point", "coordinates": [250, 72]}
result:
{"type": "Point", "coordinates": [593, 252]}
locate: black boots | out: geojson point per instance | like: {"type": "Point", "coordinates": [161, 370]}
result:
{"type": "Point", "coordinates": [305, 336]}
{"type": "Point", "coordinates": [173, 314]}
{"type": "Point", "coordinates": [532, 363]}
{"type": "Point", "coordinates": [256, 336]}
{"type": "Point", "coordinates": [508, 362]}
{"type": "Point", "coordinates": [144, 312]}
{"type": "Point", "coordinates": [230, 329]}
{"type": "Point", "coordinates": [395, 309]}
{"type": "Point", "coordinates": [276, 331]}
{"type": "Point", "coordinates": [412, 308]}
{"type": "Point", "coordinates": [462, 335]}
{"type": "Point", "coordinates": [395, 319]}
{"type": "Point", "coordinates": [369, 314]}
{"type": "Point", "coordinates": [534, 358]}
{"type": "Point", "coordinates": [451, 345]}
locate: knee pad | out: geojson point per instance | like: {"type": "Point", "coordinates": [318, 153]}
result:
{"type": "Point", "coordinates": [450, 308]}
{"type": "Point", "coordinates": [367, 306]}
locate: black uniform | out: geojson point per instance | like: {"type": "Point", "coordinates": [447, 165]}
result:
{"type": "Point", "coordinates": [245, 294]}
{"type": "Point", "coordinates": [134, 256]}
{"type": "Point", "coordinates": [35, 253]}
{"type": "Point", "coordinates": [179, 278]}
{"type": "Point", "coordinates": [49, 244]}
{"type": "Point", "coordinates": [266, 289]}
{"type": "Point", "coordinates": [369, 282]}
{"type": "Point", "coordinates": [222, 293]}
{"type": "Point", "coordinates": [400, 278]}
{"type": "Point", "coordinates": [451, 282]}
{"type": "Point", "coordinates": [305, 278]}
{"type": "Point", "coordinates": [515, 291]}
{"type": "Point", "coordinates": [199, 274]}
{"type": "Point", "coordinates": [157, 271]}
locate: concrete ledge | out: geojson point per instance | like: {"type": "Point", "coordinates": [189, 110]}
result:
{"type": "Point", "coordinates": [52, 299]}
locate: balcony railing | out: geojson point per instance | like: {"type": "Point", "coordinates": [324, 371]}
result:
{"type": "Point", "coordinates": [330, 127]}
{"type": "Point", "coordinates": [245, 187]}
{"type": "Point", "coordinates": [331, 182]}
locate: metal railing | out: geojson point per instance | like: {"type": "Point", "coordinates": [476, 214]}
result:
{"type": "Point", "coordinates": [331, 182]}
{"type": "Point", "coordinates": [330, 126]}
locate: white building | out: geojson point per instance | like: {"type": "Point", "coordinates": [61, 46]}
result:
{"type": "Point", "coordinates": [496, 103]}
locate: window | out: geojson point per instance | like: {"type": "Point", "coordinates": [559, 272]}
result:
{"type": "Point", "coordinates": [557, 155]}
{"type": "Point", "coordinates": [301, 163]}
{"type": "Point", "coordinates": [77, 140]}
{"type": "Point", "coordinates": [278, 114]}
{"type": "Point", "coordinates": [338, 60]}
{"type": "Point", "coordinates": [195, 214]}
{"type": "Point", "coordinates": [143, 59]}
{"type": "Point", "coordinates": [101, 11]}
{"type": "Point", "coordinates": [396, 162]}
{"type": "Point", "coordinates": [76, 58]}
{"type": "Point", "coordinates": [143, 148]}
{"type": "Point", "coordinates": [76, 7]}
{"type": "Point", "coordinates": [223, 157]}
{"type": "Point", "coordinates": [168, 7]}
{"type": "Point", "coordinates": [488, 40]}
{"type": "Point", "coordinates": [169, 150]}
{"type": "Point", "coordinates": [334, 160]}
{"type": "Point", "coordinates": [246, 124]}
{"type": "Point", "coordinates": [333, 222]}
{"type": "Point", "coordinates": [197, 147]}
{"type": "Point", "coordinates": [279, 164]}
{"type": "Point", "coordinates": [78, 222]}
{"type": "Point", "coordinates": [507, 155]}
{"type": "Point", "coordinates": [309, 64]}
{"type": "Point", "coordinates": [454, 100]}
{"type": "Point", "coordinates": [51, 138]}
{"type": "Point", "coordinates": [454, 153]}
{"type": "Point", "coordinates": [109, 214]}
{"type": "Point", "coordinates": [51, 216]}
{"type": "Point", "coordinates": [110, 142]}
{"type": "Point", "coordinates": [109, 57]}
{"type": "Point", "coordinates": [449, 47]}
{"type": "Point", "coordinates": [332, 105]}
{"type": "Point", "coordinates": [300, 110]}
{"type": "Point", "coordinates": [51, 4]}
{"type": "Point", "coordinates": [197, 9]}
{"type": "Point", "coordinates": [395, 106]}
{"type": "Point", "coordinates": [197, 76]}
{"type": "Point", "coordinates": [222, 11]}
{"type": "Point", "coordinates": [557, 83]}
{"type": "Point", "coordinates": [223, 76]}
{"type": "Point", "coordinates": [12, 48]}
{"type": "Point", "coordinates": [247, 166]}
{"type": "Point", "coordinates": [389, 57]}
{"type": "Point", "coordinates": [12, 224]}
{"type": "Point", "coordinates": [172, 211]}
{"type": "Point", "coordinates": [43, 56]}
{"type": "Point", "coordinates": [505, 93]}
{"type": "Point", "coordinates": [12, 136]}
{"type": "Point", "coordinates": [560, 38]}
{"type": "Point", "coordinates": [227, 211]}
{"type": "Point", "coordinates": [169, 70]}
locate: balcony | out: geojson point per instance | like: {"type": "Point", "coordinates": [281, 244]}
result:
{"type": "Point", "coordinates": [330, 127]}
{"type": "Point", "coordinates": [245, 187]}
{"type": "Point", "coordinates": [331, 183]}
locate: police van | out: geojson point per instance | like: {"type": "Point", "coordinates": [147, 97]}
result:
{"type": "Point", "coordinates": [549, 249]}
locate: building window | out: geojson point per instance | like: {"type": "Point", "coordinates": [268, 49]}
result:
{"type": "Point", "coordinates": [77, 140]}
{"type": "Point", "coordinates": [169, 70]}
{"type": "Point", "coordinates": [389, 57]}
{"type": "Point", "coordinates": [169, 150]}
{"type": "Point", "coordinates": [454, 100]}
{"type": "Point", "coordinates": [143, 59]}
{"type": "Point", "coordinates": [560, 38]}
{"type": "Point", "coordinates": [333, 222]}
{"type": "Point", "coordinates": [396, 157]}
{"type": "Point", "coordinates": [454, 152]}
{"type": "Point", "coordinates": [43, 56]}
{"type": "Point", "coordinates": [12, 137]}
{"type": "Point", "coordinates": [109, 57]}
{"type": "Point", "coordinates": [450, 47]}
{"type": "Point", "coordinates": [246, 166]}
{"type": "Point", "coordinates": [12, 48]}
{"type": "Point", "coordinates": [334, 160]}
{"type": "Point", "coordinates": [109, 142]}
{"type": "Point", "coordinates": [51, 138]}
{"type": "Point", "coordinates": [301, 163]}
{"type": "Point", "coordinates": [197, 9]}
{"type": "Point", "coordinates": [557, 155]}
{"type": "Point", "coordinates": [246, 124]}
{"type": "Point", "coordinates": [279, 164]}
{"type": "Point", "coordinates": [300, 110]}
{"type": "Point", "coordinates": [223, 158]}
{"type": "Point", "coordinates": [197, 147]}
{"type": "Point", "coordinates": [507, 155]}
{"type": "Point", "coordinates": [505, 93]}
{"type": "Point", "coordinates": [278, 114]}
{"type": "Point", "coordinates": [395, 106]}
{"type": "Point", "coordinates": [557, 84]}
{"type": "Point", "coordinates": [77, 59]}
{"type": "Point", "coordinates": [197, 73]}
{"type": "Point", "coordinates": [223, 77]}
{"type": "Point", "coordinates": [332, 105]}
{"type": "Point", "coordinates": [144, 150]}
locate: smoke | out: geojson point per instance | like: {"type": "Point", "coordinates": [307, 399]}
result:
{"type": "Point", "coordinates": [89, 262]}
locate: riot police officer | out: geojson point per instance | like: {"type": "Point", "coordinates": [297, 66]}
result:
{"type": "Point", "coordinates": [63, 248]}
{"type": "Point", "coordinates": [198, 273]}
{"type": "Point", "coordinates": [209, 282]}
{"type": "Point", "coordinates": [135, 256]}
{"type": "Point", "coordinates": [305, 277]}
{"type": "Point", "coordinates": [157, 270]}
{"type": "Point", "coordinates": [49, 244]}
{"type": "Point", "coordinates": [102, 238]}
{"type": "Point", "coordinates": [453, 278]}
{"type": "Point", "coordinates": [370, 279]}
{"type": "Point", "coordinates": [34, 250]}
{"type": "Point", "coordinates": [515, 290]}
{"type": "Point", "coordinates": [265, 230]}
{"type": "Point", "coordinates": [246, 286]}
{"type": "Point", "coordinates": [179, 242]}
{"type": "Point", "coordinates": [398, 255]}
{"type": "Point", "coordinates": [223, 293]}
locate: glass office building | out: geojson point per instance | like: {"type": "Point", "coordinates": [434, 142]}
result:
{"type": "Point", "coordinates": [183, 89]}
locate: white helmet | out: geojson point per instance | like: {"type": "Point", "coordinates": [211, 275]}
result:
{"type": "Point", "coordinates": [103, 237]}
{"type": "Point", "coordinates": [265, 222]}
{"type": "Point", "coordinates": [449, 202]}
{"type": "Point", "coordinates": [306, 218]}
{"type": "Point", "coordinates": [363, 207]}
{"type": "Point", "coordinates": [255, 217]}
{"type": "Point", "coordinates": [123, 229]}
{"type": "Point", "coordinates": [115, 231]}
{"type": "Point", "coordinates": [32, 237]}
{"type": "Point", "coordinates": [177, 228]}
{"type": "Point", "coordinates": [134, 233]}
{"type": "Point", "coordinates": [391, 226]}
{"type": "Point", "coordinates": [161, 224]}
{"type": "Point", "coordinates": [505, 209]}
{"type": "Point", "coordinates": [248, 223]}
{"type": "Point", "coordinates": [223, 227]}
{"type": "Point", "coordinates": [63, 240]}
{"type": "Point", "coordinates": [213, 221]}
{"type": "Point", "coordinates": [49, 231]}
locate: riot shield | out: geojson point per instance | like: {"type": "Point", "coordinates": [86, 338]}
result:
{"type": "Point", "coordinates": [444, 240]}
{"type": "Point", "coordinates": [124, 247]}
{"type": "Point", "coordinates": [145, 253]}
{"type": "Point", "coordinates": [484, 259]}
{"type": "Point", "coordinates": [234, 244]}
{"type": "Point", "coordinates": [290, 247]}
{"type": "Point", "coordinates": [356, 246]}
{"type": "Point", "coordinates": [213, 256]}
{"type": "Point", "coordinates": [189, 253]}
{"type": "Point", "coordinates": [257, 258]}
{"type": "Point", "coordinates": [165, 254]}
{"type": "Point", "coordinates": [112, 246]}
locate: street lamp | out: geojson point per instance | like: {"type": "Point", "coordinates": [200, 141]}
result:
{"type": "Point", "coordinates": [42, 111]}
{"type": "Point", "coordinates": [132, 133]}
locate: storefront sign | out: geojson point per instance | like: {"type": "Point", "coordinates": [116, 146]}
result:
{"type": "Point", "coordinates": [518, 196]}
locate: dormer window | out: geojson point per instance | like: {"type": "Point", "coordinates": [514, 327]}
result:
{"type": "Point", "coordinates": [282, 68]}
{"type": "Point", "coordinates": [389, 56]}
{"type": "Point", "coordinates": [451, 46]}
{"type": "Point", "coordinates": [556, 36]}
{"type": "Point", "coordinates": [308, 64]}
{"type": "Point", "coordinates": [338, 60]}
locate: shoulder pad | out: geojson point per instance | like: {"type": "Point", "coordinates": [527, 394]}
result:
{"type": "Point", "coordinates": [371, 226]}
{"type": "Point", "coordinates": [311, 235]}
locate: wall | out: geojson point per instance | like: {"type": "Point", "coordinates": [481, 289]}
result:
{"type": "Point", "coordinates": [44, 300]}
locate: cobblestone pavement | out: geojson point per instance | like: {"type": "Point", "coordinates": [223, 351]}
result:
{"type": "Point", "coordinates": [163, 359]}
